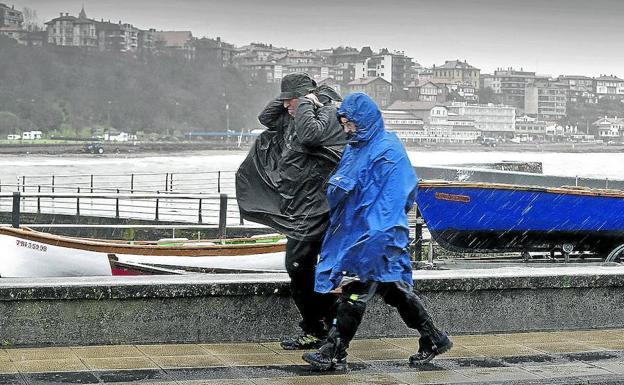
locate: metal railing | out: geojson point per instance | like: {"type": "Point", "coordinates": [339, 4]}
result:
{"type": "Point", "coordinates": [179, 182]}
{"type": "Point", "coordinates": [192, 208]}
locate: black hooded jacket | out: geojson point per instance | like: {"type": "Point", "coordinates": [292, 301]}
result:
{"type": "Point", "coordinates": [282, 181]}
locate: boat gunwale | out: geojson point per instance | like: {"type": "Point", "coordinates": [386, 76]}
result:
{"type": "Point", "coordinates": [155, 250]}
{"type": "Point", "coordinates": [567, 190]}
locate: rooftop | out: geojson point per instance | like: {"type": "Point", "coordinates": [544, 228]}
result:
{"type": "Point", "coordinates": [457, 64]}
{"type": "Point", "coordinates": [366, 80]}
{"type": "Point", "coordinates": [411, 105]}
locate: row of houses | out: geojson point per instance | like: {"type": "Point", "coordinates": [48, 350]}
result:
{"type": "Point", "coordinates": [460, 122]}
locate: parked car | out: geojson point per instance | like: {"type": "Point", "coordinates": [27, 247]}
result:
{"type": "Point", "coordinates": [488, 142]}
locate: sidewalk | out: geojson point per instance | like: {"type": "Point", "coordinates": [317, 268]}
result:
{"type": "Point", "coordinates": [570, 357]}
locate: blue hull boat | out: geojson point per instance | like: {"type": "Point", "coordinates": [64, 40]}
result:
{"type": "Point", "coordinates": [488, 217]}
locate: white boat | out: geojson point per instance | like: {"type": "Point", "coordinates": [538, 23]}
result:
{"type": "Point", "coordinates": [28, 253]}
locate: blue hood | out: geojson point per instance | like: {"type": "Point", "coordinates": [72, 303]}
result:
{"type": "Point", "coordinates": [363, 111]}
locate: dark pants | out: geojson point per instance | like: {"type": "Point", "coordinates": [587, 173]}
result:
{"type": "Point", "coordinates": [315, 308]}
{"type": "Point", "coordinates": [355, 296]}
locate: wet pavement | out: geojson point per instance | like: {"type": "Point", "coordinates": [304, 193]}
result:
{"type": "Point", "coordinates": [566, 357]}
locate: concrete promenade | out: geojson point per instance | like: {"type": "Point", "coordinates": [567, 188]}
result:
{"type": "Point", "coordinates": [571, 357]}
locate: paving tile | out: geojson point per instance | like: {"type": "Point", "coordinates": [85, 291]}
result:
{"type": "Point", "coordinates": [458, 351]}
{"type": "Point", "coordinates": [56, 365]}
{"type": "Point", "coordinates": [590, 335]}
{"type": "Point", "coordinates": [612, 366]}
{"type": "Point", "coordinates": [171, 350]}
{"type": "Point", "coordinates": [40, 354]}
{"type": "Point", "coordinates": [119, 363]}
{"type": "Point", "coordinates": [256, 359]}
{"type": "Point", "coordinates": [478, 340]}
{"type": "Point", "coordinates": [379, 354]}
{"type": "Point", "coordinates": [196, 361]}
{"type": "Point", "coordinates": [503, 350]}
{"type": "Point", "coordinates": [7, 367]}
{"type": "Point", "coordinates": [535, 337]}
{"type": "Point", "coordinates": [369, 344]}
{"type": "Point", "coordinates": [275, 347]}
{"type": "Point", "coordinates": [4, 356]}
{"type": "Point", "coordinates": [561, 347]}
{"type": "Point", "coordinates": [566, 370]}
{"type": "Point", "coordinates": [497, 374]}
{"type": "Point", "coordinates": [245, 348]}
{"type": "Point", "coordinates": [608, 345]}
{"type": "Point", "coordinates": [409, 344]}
{"type": "Point", "coordinates": [113, 351]}
{"type": "Point", "coordinates": [430, 377]}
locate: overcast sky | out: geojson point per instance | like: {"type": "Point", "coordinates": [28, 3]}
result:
{"type": "Point", "coordinates": [581, 37]}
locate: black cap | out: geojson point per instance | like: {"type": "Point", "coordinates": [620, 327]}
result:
{"type": "Point", "coordinates": [296, 85]}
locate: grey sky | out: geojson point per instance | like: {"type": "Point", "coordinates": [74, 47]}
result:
{"type": "Point", "coordinates": [553, 36]}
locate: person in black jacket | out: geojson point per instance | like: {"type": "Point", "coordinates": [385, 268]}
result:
{"type": "Point", "coordinates": [282, 184]}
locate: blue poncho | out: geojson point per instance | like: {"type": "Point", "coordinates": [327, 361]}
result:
{"type": "Point", "coordinates": [369, 196]}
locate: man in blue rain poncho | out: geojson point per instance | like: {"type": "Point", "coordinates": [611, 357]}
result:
{"type": "Point", "coordinates": [364, 250]}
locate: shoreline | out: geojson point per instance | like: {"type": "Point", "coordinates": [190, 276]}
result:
{"type": "Point", "coordinates": [186, 148]}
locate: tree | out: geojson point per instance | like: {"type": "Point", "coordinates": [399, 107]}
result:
{"type": "Point", "coordinates": [488, 95]}
{"type": "Point", "coordinates": [9, 123]}
{"type": "Point", "coordinates": [31, 20]}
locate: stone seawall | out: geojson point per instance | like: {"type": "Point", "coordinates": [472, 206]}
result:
{"type": "Point", "coordinates": [256, 307]}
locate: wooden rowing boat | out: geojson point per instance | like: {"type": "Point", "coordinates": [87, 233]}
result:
{"type": "Point", "coordinates": [29, 253]}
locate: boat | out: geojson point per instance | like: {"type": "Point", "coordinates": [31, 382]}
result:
{"type": "Point", "coordinates": [29, 253]}
{"type": "Point", "coordinates": [492, 217]}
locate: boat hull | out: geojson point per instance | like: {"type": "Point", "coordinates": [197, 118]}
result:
{"type": "Point", "coordinates": [482, 217]}
{"type": "Point", "coordinates": [33, 254]}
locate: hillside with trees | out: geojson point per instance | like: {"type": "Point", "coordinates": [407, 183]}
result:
{"type": "Point", "coordinates": [69, 92]}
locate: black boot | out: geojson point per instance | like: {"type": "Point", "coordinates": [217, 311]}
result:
{"type": "Point", "coordinates": [331, 356]}
{"type": "Point", "coordinates": [430, 347]}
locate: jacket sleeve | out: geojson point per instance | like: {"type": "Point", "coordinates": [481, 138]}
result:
{"type": "Point", "coordinates": [313, 126]}
{"type": "Point", "coordinates": [272, 117]}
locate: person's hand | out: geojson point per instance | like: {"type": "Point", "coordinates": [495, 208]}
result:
{"type": "Point", "coordinates": [314, 99]}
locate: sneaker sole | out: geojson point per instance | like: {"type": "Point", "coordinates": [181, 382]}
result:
{"type": "Point", "coordinates": [325, 368]}
{"type": "Point", "coordinates": [437, 352]}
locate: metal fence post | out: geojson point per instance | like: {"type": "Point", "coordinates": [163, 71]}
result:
{"type": "Point", "coordinates": [15, 215]}
{"type": "Point", "coordinates": [222, 216]}
{"type": "Point", "coordinates": [91, 183]}
{"type": "Point", "coordinates": [39, 200]}
{"type": "Point", "coordinates": [52, 183]}
{"type": "Point", "coordinates": [23, 183]}
{"type": "Point", "coordinates": [219, 182]}
{"type": "Point", "coordinates": [171, 182]}
{"type": "Point", "coordinates": [157, 203]}
{"type": "Point", "coordinates": [167, 182]}
{"type": "Point", "coordinates": [132, 183]}
{"type": "Point", "coordinates": [418, 230]}
{"type": "Point", "coordinates": [78, 203]}
{"type": "Point", "coordinates": [117, 205]}
{"type": "Point", "coordinates": [199, 219]}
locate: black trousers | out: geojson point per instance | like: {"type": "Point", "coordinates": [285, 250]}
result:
{"type": "Point", "coordinates": [316, 309]}
{"type": "Point", "coordinates": [355, 295]}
